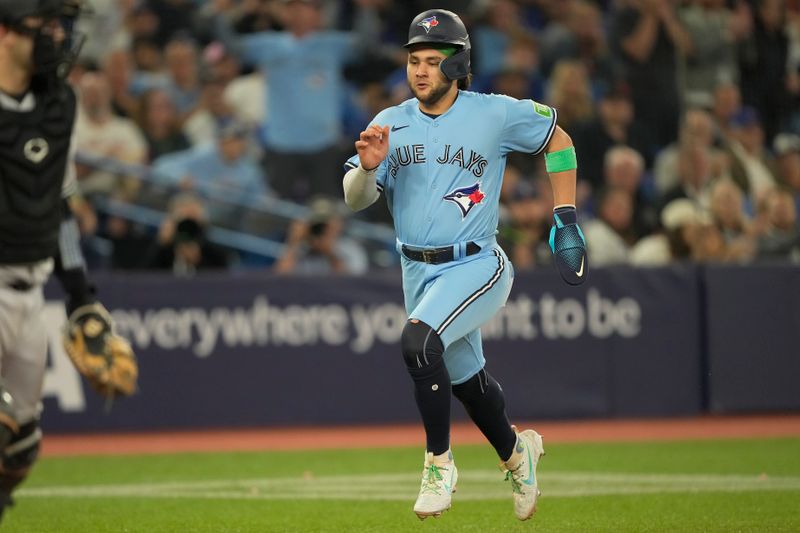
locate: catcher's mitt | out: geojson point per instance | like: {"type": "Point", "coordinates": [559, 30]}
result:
{"type": "Point", "coordinates": [103, 357]}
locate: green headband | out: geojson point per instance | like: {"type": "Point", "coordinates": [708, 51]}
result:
{"type": "Point", "coordinates": [446, 49]}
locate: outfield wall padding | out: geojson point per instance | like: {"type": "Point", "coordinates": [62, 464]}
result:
{"type": "Point", "coordinates": [753, 338]}
{"type": "Point", "coordinates": [255, 350]}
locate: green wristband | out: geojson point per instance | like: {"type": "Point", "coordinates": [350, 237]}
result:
{"type": "Point", "coordinates": [560, 161]}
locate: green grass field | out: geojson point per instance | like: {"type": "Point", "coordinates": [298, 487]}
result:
{"type": "Point", "coordinates": [725, 486]}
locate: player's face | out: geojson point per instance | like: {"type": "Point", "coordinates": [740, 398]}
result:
{"type": "Point", "coordinates": [425, 78]}
{"type": "Point", "coordinates": [26, 34]}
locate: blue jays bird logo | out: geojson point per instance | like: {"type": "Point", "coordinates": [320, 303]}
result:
{"type": "Point", "coordinates": [466, 198]}
{"type": "Point", "coordinates": [428, 23]}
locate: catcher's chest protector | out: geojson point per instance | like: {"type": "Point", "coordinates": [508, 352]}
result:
{"type": "Point", "coordinates": [34, 147]}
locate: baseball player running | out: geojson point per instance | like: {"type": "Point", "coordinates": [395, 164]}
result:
{"type": "Point", "coordinates": [439, 159]}
{"type": "Point", "coordinates": [37, 110]}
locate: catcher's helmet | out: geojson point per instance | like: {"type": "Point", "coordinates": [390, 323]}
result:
{"type": "Point", "coordinates": [439, 26]}
{"type": "Point", "coordinates": [12, 11]}
{"type": "Point", "coordinates": [47, 56]}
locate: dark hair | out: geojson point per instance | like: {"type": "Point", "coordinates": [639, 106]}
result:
{"type": "Point", "coordinates": [464, 83]}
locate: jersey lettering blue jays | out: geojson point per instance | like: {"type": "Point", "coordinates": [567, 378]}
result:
{"type": "Point", "coordinates": [442, 175]}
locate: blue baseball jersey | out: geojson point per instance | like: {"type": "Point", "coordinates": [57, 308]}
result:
{"type": "Point", "coordinates": [442, 175]}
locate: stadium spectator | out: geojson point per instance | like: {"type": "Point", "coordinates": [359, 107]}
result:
{"type": "Point", "coordinates": [211, 114]}
{"type": "Point", "coordinates": [118, 70]}
{"type": "Point", "coordinates": [174, 17]}
{"type": "Point", "coordinates": [787, 152]}
{"type": "Point", "coordinates": [752, 166]}
{"type": "Point", "coordinates": [609, 237]}
{"type": "Point", "coordinates": [715, 30]}
{"type": "Point", "coordinates": [613, 124]}
{"type": "Point", "coordinates": [183, 68]}
{"type": "Point", "coordinates": [708, 244]}
{"type": "Point", "coordinates": [304, 102]}
{"type": "Point", "coordinates": [581, 37]}
{"type": "Point", "coordinates": [727, 102]}
{"type": "Point", "coordinates": [147, 58]}
{"type": "Point", "coordinates": [727, 210]}
{"type": "Point", "coordinates": [624, 169]}
{"type": "Point", "coordinates": [695, 172]}
{"type": "Point", "coordinates": [502, 22]}
{"type": "Point", "coordinates": [689, 234]}
{"type": "Point", "coordinates": [130, 243]}
{"type": "Point", "coordinates": [141, 21]}
{"type": "Point", "coordinates": [679, 219]}
{"type": "Point", "coordinates": [100, 133]}
{"type": "Point", "coordinates": [569, 92]}
{"type": "Point", "coordinates": [222, 172]}
{"type": "Point", "coordinates": [158, 121]}
{"type": "Point", "coordinates": [780, 239]}
{"type": "Point", "coordinates": [521, 61]}
{"type": "Point", "coordinates": [764, 61]}
{"type": "Point", "coordinates": [513, 82]}
{"type": "Point", "coordinates": [647, 36]}
{"type": "Point", "coordinates": [182, 246]}
{"type": "Point", "coordinates": [104, 28]}
{"type": "Point", "coordinates": [697, 129]}
{"type": "Point", "coordinates": [244, 93]}
{"type": "Point", "coordinates": [316, 246]}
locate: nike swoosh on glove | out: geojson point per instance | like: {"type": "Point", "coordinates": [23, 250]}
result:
{"type": "Point", "coordinates": [569, 246]}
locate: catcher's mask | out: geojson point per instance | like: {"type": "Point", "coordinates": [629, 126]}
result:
{"type": "Point", "coordinates": [49, 56]}
{"type": "Point", "coordinates": [442, 27]}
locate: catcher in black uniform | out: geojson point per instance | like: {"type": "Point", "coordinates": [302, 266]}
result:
{"type": "Point", "coordinates": [37, 232]}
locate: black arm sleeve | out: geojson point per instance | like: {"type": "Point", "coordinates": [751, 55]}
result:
{"type": "Point", "coordinates": [70, 267]}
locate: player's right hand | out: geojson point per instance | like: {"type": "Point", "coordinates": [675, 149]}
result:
{"type": "Point", "coordinates": [373, 146]}
{"type": "Point", "coordinates": [569, 246]}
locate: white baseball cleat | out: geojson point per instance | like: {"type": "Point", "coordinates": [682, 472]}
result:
{"type": "Point", "coordinates": [520, 470]}
{"type": "Point", "coordinates": [439, 478]}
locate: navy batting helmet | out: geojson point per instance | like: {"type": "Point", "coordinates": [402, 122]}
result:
{"type": "Point", "coordinates": [439, 26]}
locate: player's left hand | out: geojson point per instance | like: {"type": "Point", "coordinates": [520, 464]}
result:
{"type": "Point", "coordinates": [569, 246]}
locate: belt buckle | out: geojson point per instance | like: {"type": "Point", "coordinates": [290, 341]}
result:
{"type": "Point", "coordinates": [429, 256]}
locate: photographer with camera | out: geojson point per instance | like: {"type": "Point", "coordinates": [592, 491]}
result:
{"type": "Point", "coordinates": [182, 246]}
{"type": "Point", "coordinates": [316, 246]}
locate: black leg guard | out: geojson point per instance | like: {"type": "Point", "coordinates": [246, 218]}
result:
{"type": "Point", "coordinates": [18, 458]}
{"type": "Point", "coordinates": [423, 351]}
{"type": "Point", "coordinates": [483, 400]}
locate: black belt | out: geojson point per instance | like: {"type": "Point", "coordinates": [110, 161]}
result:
{"type": "Point", "coordinates": [20, 285]}
{"type": "Point", "coordinates": [437, 256]}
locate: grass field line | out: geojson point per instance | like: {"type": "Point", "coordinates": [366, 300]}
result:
{"type": "Point", "coordinates": [473, 485]}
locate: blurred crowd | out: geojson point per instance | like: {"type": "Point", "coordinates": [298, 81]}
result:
{"type": "Point", "coordinates": [685, 116]}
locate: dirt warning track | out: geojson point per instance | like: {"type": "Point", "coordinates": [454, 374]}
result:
{"type": "Point", "coordinates": [704, 427]}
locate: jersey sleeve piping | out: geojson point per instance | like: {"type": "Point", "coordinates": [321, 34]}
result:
{"type": "Point", "coordinates": [549, 133]}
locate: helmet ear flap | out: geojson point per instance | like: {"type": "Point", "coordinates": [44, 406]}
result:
{"type": "Point", "coordinates": [457, 66]}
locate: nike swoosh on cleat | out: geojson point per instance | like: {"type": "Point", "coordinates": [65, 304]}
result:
{"type": "Point", "coordinates": [448, 486]}
{"type": "Point", "coordinates": [531, 474]}
{"type": "Point", "coordinates": [579, 273]}
{"type": "Point", "coordinates": [395, 128]}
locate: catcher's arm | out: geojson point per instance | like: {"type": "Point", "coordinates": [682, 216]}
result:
{"type": "Point", "coordinates": [70, 267]}
{"type": "Point", "coordinates": [103, 357]}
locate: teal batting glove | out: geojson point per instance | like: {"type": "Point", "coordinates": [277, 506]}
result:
{"type": "Point", "coordinates": [568, 245]}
